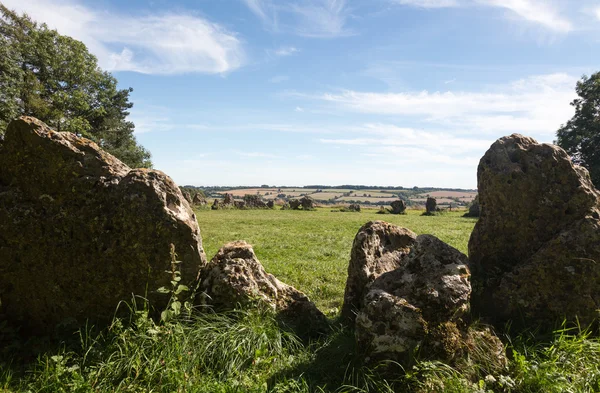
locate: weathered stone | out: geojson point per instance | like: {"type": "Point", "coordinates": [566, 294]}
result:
{"type": "Point", "coordinates": [421, 303]}
{"type": "Point", "coordinates": [378, 247]}
{"type": "Point", "coordinates": [254, 202]}
{"type": "Point", "coordinates": [199, 200]}
{"type": "Point", "coordinates": [295, 204]}
{"type": "Point", "coordinates": [535, 250]}
{"type": "Point", "coordinates": [216, 205]}
{"type": "Point", "coordinates": [474, 209]}
{"type": "Point", "coordinates": [187, 196]}
{"type": "Point", "coordinates": [398, 207]}
{"type": "Point", "coordinates": [228, 200]}
{"type": "Point", "coordinates": [307, 203]}
{"type": "Point", "coordinates": [239, 204]}
{"type": "Point", "coordinates": [270, 204]}
{"type": "Point", "coordinates": [430, 206]}
{"type": "Point", "coordinates": [354, 207]}
{"type": "Point", "coordinates": [80, 231]}
{"type": "Point", "coordinates": [235, 277]}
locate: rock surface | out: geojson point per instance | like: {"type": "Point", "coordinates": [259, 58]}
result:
{"type": "Point", "coordinates": [421, 303]}
{"type": "Point", "coordinates": [295, 204]}
{"type": "Point", "coordinates": [80, 231]}
{"type": "Point", "coordinates": [430, 206]}
{"type": "Point", "coordinates": [199, 200]}
{"type": "Point", "coordinates": [398, 207]}
{"type": "Point", "coordinates": [235, 277]}
{"type": "Point", "coordinates": [378, 247]}
{"type": "Point", "coordinates": [354, 207]}
{"type": "Point", "coordinates": [535, 251]}
{"type": "Point", "coordinates": [474, 209]}
{"type": "Point", "coordinates": [307, 203]}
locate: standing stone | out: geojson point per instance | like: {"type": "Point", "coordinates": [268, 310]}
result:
{"type": "Point", "coordinates": [235, 277]}
{"type": "Point", "coordinates": [187, 196]}
{"type": "Point", "coordinates": [295, 204]}
{"type": "Point", "coordinates": [228, 200]}
{"type": "Point", "coordinates": [216, 205]}
{"type": "Point", "coordinates": [354, 207]}
{"type": "Point", "coordinates": [474, 209]}
{"type": "Point", "coordinates": [199, 200]}
{"type": "Point", "coordinates": [430, 206]}
{"type": "Point", "coordinates": [398, 207]}
{"type": "Point", "coordinates": [307, 203]}
{"type": "Point", "coordinates": [421, 303]}
{"type": "Point", "coordinates": [378, 247]}
{"type": "Point", "coordinates": [80, 231]}
{"type": "Point", "coordinates": [535, 251]}
{"type": "Point", "coordinates": [271, 204]}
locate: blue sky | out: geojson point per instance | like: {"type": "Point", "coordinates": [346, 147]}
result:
{"type": "Point", "coordinates": [295, 92]}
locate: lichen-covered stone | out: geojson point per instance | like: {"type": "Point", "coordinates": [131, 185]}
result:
{"type": "Point", "coordinates": [307, 203]}
{"type": "Point", "coordinates": [198, 200]}
{"type": "Point", "coordinates": [422, 303]}
{"type": "Point", "coordinates": [430, 206]}
{"type": "Point", "coordinates": [535, 251]}
{"type": "Point", "coordinates": [235, 277]}
{"type": "Point", "coordinates": [378, 247]}
{"type": "Point", "coordinates": [474, 209]}
{"type": "Point", "coordinates": [398, 207]}
{"type": "Point", "coordinates": [80, 231]}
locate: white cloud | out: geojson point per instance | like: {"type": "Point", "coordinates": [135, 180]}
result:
{"type": "Point", "coordinates": [538, 104]}
{"type": "Point", "coordinates": [542, 12]}
{"type": "Point", "coordinates": [157, 44]}
{"type": "Point", "coordinates": [536, 11]}
{"type": "Point", "coordinates": [299, 109]}
{"type": "Point", "coordinates": [428, 3]}
{"type": "Point", "coordinates": [308, 18]}
{"type": "Point", "coordinates": [597, 13]}
{"type": "Point", "coordinates": [286, 51]}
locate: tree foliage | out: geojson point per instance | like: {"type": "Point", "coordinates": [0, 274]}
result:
{"type": "Point", "coordinates": [55, 79]}
{"type": "Point", "coordinates": [580, 137]}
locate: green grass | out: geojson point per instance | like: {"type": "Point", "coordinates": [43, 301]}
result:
{"type": "Point", "coordinates": [311, 249]}
{"type": "Point", "coordinates": [246, 351]}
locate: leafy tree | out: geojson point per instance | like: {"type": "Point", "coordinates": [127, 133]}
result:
{"type": "Point", "coordinates": [54, 78]}
{"type": "Point", "coordinates": [580, 137]}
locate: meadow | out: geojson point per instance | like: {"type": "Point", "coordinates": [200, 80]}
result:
{"type": "Point", "coordinates": [311, 249]}
{"type": "Point", "coordinates": [246, 350]}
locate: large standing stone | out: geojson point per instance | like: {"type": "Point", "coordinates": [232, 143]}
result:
{"type": "Point", "coordinates": [535, 251]}
{"type": "Point", "coordinates": [236, 277]}
{"type": "Point", "coordinates": [80, 231]}
{"type": "Point", "coordinates": [307, 203]}
{"type": "Point", "coordinates": [421, 303]}
{"type": "Point", "coordinates": [398, 207]}
{"type": "Point", "coordinates": [430, 206]}
{"type": "Point", "coordinates": [378, 247]}
{"type": "Point", "coordinates": [474, 209]}
{"type": "Point", "coordinates": [199, 200]}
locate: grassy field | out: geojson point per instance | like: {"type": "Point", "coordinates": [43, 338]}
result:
{"type": "Point", "coordinates": [311, 249]}
{"type": "Point", "coordinates": [247, 351]}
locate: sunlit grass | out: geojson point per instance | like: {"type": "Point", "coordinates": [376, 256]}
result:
{"type": "Point", "coordinates": [311, 249]}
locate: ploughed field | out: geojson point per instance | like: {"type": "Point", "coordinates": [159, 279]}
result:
{"type": "Point", "coordinates": [311, 249]}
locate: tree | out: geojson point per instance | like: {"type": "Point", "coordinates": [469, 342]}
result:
{"type": "Point", "coordinates": [55, 79]}
{"type": "Point", "coordinates": [580, 137]}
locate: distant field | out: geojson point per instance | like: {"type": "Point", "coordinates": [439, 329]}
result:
{"type": "Point", "coordinates": [367, 199]}
{"type": "Point", "coordinates": [449, 194]}
{"type": "Point", "coordinates": [311, 250]}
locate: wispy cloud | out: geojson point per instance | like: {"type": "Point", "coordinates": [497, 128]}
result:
{"type": "Point", "coordinates": [308, 18]}
{"type": "Point", "coordinates": [538, 104]}
{"type": "Point", "coordinates": [428, 3]}
{"type": "Point", "coordinates": [541, 12]}
{"type": "Point", "coordinates": [171, 43]}
{"type": "Point", "coordinates": [286, 51]}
